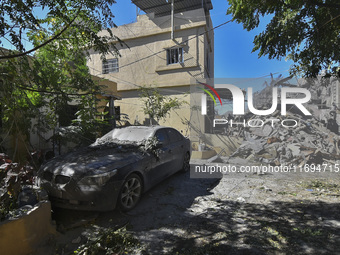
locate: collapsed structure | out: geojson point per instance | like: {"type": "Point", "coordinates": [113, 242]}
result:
{"type": "Point", "coordinates": [291, 139]}
{"type": "Point", "coordinates": [309, 143]}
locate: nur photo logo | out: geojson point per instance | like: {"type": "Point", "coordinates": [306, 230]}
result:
{"type": "Point", "coordinates": [204, 97]}
{"type": "Point", "coordinates": [242, 102]}
{"type": "Point", "coordinates": [239, 99]}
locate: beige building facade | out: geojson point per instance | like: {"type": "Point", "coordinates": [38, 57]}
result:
{"type": "Point", "coordinates": [159, 50]}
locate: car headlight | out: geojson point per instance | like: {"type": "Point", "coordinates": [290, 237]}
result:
{"type": "Point", "coordinates": [98, 179]}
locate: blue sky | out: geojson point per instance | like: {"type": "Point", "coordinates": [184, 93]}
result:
{"type": "Point", "coordinates": [233, 44]}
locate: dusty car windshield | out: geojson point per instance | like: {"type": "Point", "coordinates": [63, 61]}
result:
{"type": "Point", "coordinates": [125, 135]}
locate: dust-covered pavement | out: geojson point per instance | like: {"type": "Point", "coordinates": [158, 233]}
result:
{"type": "Point", "coordinates": [246, 214]}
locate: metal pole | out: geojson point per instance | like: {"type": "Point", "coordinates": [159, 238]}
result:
{"type": "Point", "coordinates": [112, 112]}
{"type": "Point", "coordinates": [172, 20]}
{"type": "Point", "coordinates": [137, 12]}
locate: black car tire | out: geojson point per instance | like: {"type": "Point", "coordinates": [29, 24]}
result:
{"type": "Point", "coordinates": [186, 162]}
{"type": "Point", "coordinates": [130, 193]}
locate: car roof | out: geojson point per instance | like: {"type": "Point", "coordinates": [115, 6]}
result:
{"type": "Point", "coordinates": [151, 128]}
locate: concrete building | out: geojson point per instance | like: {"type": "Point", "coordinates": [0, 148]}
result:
{"type": "Point", "coordinates": [168, 47]}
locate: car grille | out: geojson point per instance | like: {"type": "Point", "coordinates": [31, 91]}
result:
{"type": "Point", "coordinates": [62, 179]}
{"type": "Point", "coordinates": [48, 176]}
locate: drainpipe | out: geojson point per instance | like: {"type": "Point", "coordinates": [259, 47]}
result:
{"type": "Point", "coordinates": [172, 19]}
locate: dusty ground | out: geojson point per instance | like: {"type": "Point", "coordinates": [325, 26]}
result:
{"type": "Point", "coordinates": [235, 214]}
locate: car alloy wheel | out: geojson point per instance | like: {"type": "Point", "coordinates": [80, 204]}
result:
{"type": "Point", "coordinates": [186, 162]}
{"type": "Point", "coordinates": [130, 193]}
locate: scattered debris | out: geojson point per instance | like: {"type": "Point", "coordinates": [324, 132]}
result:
{"type": "Point", "coordinates": [240, 200]}
{"type": "Point", "coordinates": [294, 138]}
{"type": "Point", "coordinates": [108, 241]}
{"type": "Point", "coordinates": [308, 143]}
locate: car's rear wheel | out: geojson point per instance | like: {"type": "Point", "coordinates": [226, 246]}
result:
{"type": "Point", "coordinates": [130, 192]}
{"type": "Point", "coordinates": [186, 162]}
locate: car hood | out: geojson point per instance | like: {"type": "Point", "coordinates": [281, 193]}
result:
{"type": "Point", "coordinates": [92, 161]}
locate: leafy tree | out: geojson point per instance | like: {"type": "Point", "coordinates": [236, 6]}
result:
{"type": "Point", "coordinates": [40, 86]}
{"type": "Point", "coordinates": [305, 31]}
{"type": "Point", "coordinates": [50, 19]}
{"type": "Point", "coordinates": [156, 105]}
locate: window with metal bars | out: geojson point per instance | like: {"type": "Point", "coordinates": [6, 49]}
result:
{"type": "Point", "coordinates": [110, 66]}
{"type": "Point", "coordinates": [175, 55]}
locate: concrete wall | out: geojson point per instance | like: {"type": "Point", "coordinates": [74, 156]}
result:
{"type": "Point", "coordinates": [143, 62]}
{"type": "Point", "coordinates": [22, 236]}
{"type": "Point", "coordinates": [143, 58]}
{"type": "Point", "coordinates": [132, 106]}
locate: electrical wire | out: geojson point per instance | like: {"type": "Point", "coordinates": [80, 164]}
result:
{"type": "Point", "coordinates": [156, 53]}
{"type": "Point", "coordinates": [172, 47]}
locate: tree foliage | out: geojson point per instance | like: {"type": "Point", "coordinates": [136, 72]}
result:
{"type": "Point", "coordinates": [305, 31]}
{"type": "Point", "coordinates": [50, 19]}
{"type": "Point", "coordinates": [156, 105]}
{"type": "Point", "coordinates": [38, 87]}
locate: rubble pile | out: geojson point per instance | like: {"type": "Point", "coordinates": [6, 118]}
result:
{"type": "Point", "coordinates": [310, 142]}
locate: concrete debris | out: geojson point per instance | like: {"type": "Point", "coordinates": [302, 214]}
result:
{"type": "Point", "coordinates": [239, 221]}
{"type": "Point", "coordinates": [215, 159]}
{"type": "Point", "coordinates": [311, 141]}
{"type": "Point", "coordinates": [266, 188]}
{"type": "Point", "coordinates": [240, 200]}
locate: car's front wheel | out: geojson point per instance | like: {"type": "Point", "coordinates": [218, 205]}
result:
{"type": "Point", "coordinates": [130, 192]}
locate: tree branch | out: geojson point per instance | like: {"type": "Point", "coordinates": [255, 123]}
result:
{"type": "Point", "coordinates": [54, 92]}
{"type": "Point", "coordinates": [327, 5]}
{"type": "Point", "coordinates": [331, 20]}
{"type": "Point", "coordinates": [43, 44]}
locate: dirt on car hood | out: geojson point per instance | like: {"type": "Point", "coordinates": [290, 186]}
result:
{"type": "Point", "coordinates": [93, 160]}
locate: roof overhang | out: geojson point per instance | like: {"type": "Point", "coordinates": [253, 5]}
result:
{"type": "Point", "coordinates": [163, 7]}
{"type": "Point", "coordinates": [115, 97]}
{"type": "Point", "coordinates": [109, 87]}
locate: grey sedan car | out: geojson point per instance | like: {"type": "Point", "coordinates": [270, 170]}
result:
{"type": "Point", "coordinates": [116, 169]}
